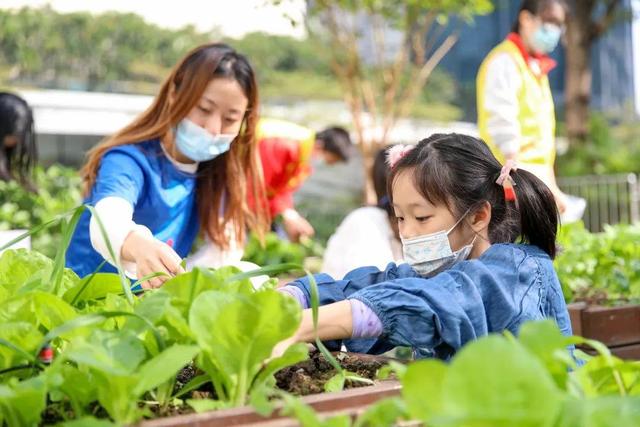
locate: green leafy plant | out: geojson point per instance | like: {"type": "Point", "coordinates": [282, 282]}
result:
{"type": "Point", "coordinates": [503, 381]}
{"type": "Point", "coordinates": [58, 190]}
{"type": "Point", "coordinates": [237, 333]}
{"type": "Point", "coordinates": [600, 267]}
{"type": "Point", "coordinates": [276, 251]}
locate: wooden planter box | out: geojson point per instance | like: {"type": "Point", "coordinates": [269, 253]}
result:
{"type": "Point", "coordinates": [616, 327]}
{"type": "Point", "coordinates": [351, 402]}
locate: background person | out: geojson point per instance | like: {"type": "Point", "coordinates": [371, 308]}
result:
{"type": "Point", "coordinates": [368, 235]}
{"type": "Point", "coordinates": [18, 151]}
{"type": "Point", "coordinates": [516, 115]}
{"type": "Point", "coordinates": [286, 153]}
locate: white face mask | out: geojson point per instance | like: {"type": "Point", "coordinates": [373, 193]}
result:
{"type": "Point", "coordinates": [430, 254]}
{"type": "Point", "coordinates": [198, 144]}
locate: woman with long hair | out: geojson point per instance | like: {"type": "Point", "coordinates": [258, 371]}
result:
{"type": "Point", "coordinates": [183, 167]}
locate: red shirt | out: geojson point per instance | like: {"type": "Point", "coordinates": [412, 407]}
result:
{"type": "Point", "coordinates": [545, 62]}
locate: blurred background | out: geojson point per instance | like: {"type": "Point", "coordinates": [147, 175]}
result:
{"type": "Point", "coordinates": [88, 67]}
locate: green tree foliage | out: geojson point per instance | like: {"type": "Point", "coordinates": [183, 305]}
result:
{"type": "Point", "coordinates": [45, 48]}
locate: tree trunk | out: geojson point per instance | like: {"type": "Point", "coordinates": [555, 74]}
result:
{"type": "Point", "coordinates": [578, 72]}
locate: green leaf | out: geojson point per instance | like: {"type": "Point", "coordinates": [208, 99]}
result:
{"type": "Point", "coordinates": [94, 287]}
{"type": "Point", "coordinates": [294, 406]}
{"type": "Point", "coordinates": [77, 385]}
{"type": "Point", "coordinates": [17, 266]}
{"type": "Point", "coordinates": [335, 383]}
{"type": "Point", "coordinates": [601, 412]}
{"type": "Point", "coordinates": [58, 264]}
{"type": "Point", "coordinates": [522, 392]}
{"type": "Point", "coordinates": [193, 384]}
{"type": "Point", "coordinates": [294, 354]}
{"type": "Point", "coordinates": [422, 388]}
{"type": "Point", "coordinates": [110, 352]}
{"type": "Point", "coordinates": [22, 402]}
{"type": "Point", "coordinates": [18, 342]}
{"type": "Point", "coordinates": [164, 366]}
{"type": "Point", "coordinates": [239, 332]}
{"type": "Point", "coordinates": [545, 340]}
{"type": "Point", "coordinates": [386, 412]}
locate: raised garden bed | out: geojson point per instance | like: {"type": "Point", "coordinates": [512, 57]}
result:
{"type": "Point", "coordinates": [616, 327]}
{"type": "Point", "coordinates": [352, 402]}
{"type": "Point", "coordinates": [307, 379]}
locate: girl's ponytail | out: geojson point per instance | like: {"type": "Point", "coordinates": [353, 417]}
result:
{"type": "Point", "coordinates": [537, 210]}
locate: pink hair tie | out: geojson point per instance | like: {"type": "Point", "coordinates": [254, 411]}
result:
{"type": "Point", "coordinates": [506, 181]}
{"type": "Point", "coordinates": [396, 153]}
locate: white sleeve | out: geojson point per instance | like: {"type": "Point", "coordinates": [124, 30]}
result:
{"type": "Point", "coordinates": [210, 255]}
{"type": "Point", "coordinates": [359, 241]}
{"type": "Point", "coordinates": [502, 84]}
{"type": "Point", "coordinates": [116, 215]}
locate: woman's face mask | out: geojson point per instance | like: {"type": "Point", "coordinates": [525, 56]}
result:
{"type": "Point", "coordinates": [430, 254]}
{"type": "Point", "coordinates": [546, 37]}
{"type": "Point", "coordinates": [198, 144]}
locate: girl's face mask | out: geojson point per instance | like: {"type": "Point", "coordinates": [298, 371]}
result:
{"type": "Point", "coordinates": [430, 254]}
{"type": "Point", "coordinates": [198, 144]}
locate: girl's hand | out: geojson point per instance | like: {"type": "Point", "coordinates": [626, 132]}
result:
{"type": "Point", "coordinates": [151, 256]}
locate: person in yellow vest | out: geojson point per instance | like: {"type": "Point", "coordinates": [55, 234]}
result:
{"type": "Point", "coordinates": [516, 116]}
{"type": "Point", "coordinates": [286, 150]}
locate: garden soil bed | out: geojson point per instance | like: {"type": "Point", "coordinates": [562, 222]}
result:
{"type": "Point", "coordinates": [616, 327]}
{"type": "Point", "coordinates": [303, 379]}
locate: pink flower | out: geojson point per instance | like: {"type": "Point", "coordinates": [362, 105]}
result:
{"type": "Point", "coordinates": [397, 152]}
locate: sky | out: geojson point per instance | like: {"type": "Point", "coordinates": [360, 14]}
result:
{"type": "Point", "coordinates": [233, 18]}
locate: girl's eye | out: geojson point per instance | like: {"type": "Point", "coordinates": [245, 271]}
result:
{"type": "Point", "coordinates": [230, 121]}
{"type": "Point", "coordinates": [204, 110]}
{"type": "Point", "coordinates": [399, 218]}
{"type": "Point", "coordinates": [422, 218]}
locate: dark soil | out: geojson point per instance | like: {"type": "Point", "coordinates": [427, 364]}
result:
{"type": "Point", "coordinates": [309, 376]}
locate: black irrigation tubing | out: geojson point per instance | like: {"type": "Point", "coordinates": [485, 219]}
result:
{"type": "Point", "coordinates": [17, 368]}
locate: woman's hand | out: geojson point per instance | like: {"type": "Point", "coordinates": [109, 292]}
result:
{"type": "Point", "coordinates": [296, 226]}
{"type": "Point", "coordinates": [151, 256]}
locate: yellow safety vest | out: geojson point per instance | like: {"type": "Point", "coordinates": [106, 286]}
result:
{"type": "Point", "coordinates": [536, 114]}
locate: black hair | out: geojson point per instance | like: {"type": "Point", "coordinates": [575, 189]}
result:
{"type": "Point", "coordinates": [380, 174]}
{"type": "Point", "coordinates": [461, 172]}
{"type": "Point", "coordinates": [16, 120]}
{"type": "Point", "coordinates": [336, 140]}
{"type": "Point", "coordinates": [535, 7]}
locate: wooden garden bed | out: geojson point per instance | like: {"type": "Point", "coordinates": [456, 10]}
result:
{"type": "Point", "coordinates": [351, 402]}
{"type": "Point", "coordinates": [304, 379]}
{"type": "Point", "coordinates": [616, 327]}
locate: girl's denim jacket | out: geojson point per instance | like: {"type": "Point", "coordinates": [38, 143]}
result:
{"type": "Point", "coordinates": [506, 286]}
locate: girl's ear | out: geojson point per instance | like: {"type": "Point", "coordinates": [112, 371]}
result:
{"type": "Point", "coordinates": [481, 217]}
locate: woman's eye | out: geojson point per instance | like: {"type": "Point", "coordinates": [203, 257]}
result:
{"type": "Point", "coordinates": [399, 218]}
{"type": "Point", "coordinates": [422, 218]}
{"type": "Point", "coordinates": [204, 110]}
{"type": "Point", "coordinates": [230, 121]}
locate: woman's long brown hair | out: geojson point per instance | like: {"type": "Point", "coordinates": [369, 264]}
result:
{"type": "Point", "coordinates": [224, 182]}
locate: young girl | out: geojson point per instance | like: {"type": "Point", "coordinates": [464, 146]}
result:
{"type": "Point", "coordinates": [17, 140]}
{"type": "Point", "coordinates": [459, 215]}
{"type": "Point", "coordinates": [182, 167]}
